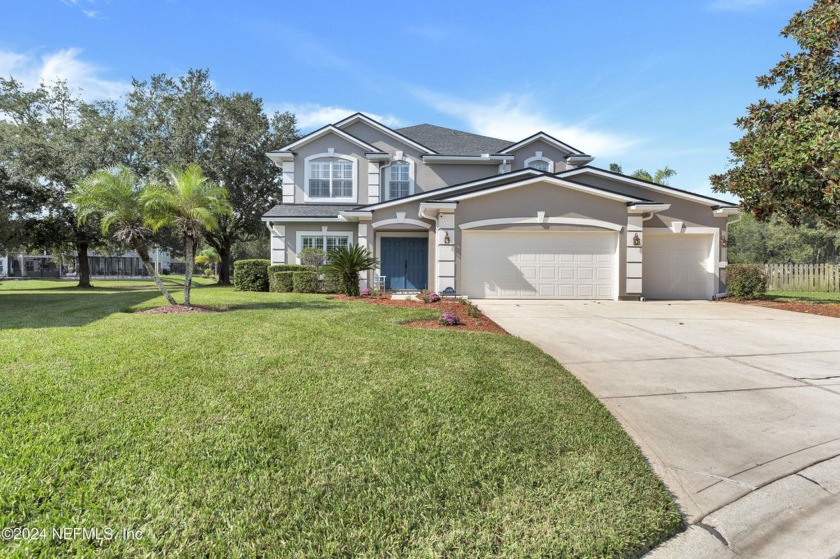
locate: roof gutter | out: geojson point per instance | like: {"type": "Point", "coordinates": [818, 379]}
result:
{"type": "Point", "coordinates": [483, 159]}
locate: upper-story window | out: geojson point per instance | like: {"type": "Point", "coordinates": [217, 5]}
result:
{"type": "Point", "coordinates": [540, 163]}
{"type": "Point", "coordinates": [399, 179]}
{"type": "Point", "coordinates": [331, 177]}
{"type": "Point", "coordinates": [399, 182]}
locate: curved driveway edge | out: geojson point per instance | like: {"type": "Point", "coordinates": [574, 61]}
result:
{"type": "Point", "coordinates": [736, 407]}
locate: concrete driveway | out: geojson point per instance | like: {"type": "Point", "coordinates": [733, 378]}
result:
{"type": "Point", "coordinates": [736, 407]}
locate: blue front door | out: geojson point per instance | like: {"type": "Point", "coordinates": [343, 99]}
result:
{"type": "Point", "coordinates": [405, 262]}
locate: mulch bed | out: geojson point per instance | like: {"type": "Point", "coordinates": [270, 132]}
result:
{"type": "Point", "coordinates": [181, 309]}
{"type": "Point", "coordinates": [468, 323]}
{"type": "Point", "coordinates": [824, 309]}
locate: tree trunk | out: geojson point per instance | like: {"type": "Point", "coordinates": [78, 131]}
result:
{"type": "Point", "coordinates": [223, 267]}
{"type": "Point", "coordinates": [143, 253]}
{"type": "Point", "coordinates": [84, 265]}
{"type": "Point", "coordinates": [190, 247]}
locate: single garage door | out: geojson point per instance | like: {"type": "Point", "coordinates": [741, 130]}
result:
{"type": "Point", "coordinates": [538, 265]}
{"type": "Point", "coordinates": [677, 266]}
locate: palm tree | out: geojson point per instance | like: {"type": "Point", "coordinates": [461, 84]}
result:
{"type": "Point", "coordinates": [348, 262]}
{"type": "Point", "coordinates": [190, 203]}
{"type": "Point", "coordinates": [115, 196]}
{"type": "Point", "coordinates": [209, 256]}
{"type": "Point", "coordinates": [661, 176]}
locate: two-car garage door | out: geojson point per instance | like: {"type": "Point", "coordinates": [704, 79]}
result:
{"type": "Point", "coordinates": [539, 265]}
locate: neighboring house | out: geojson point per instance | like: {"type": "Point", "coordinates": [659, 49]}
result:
{"type": "Point", "coordinates": [460, 213]}
{"type": "Point", "coordinates": [43, 265]}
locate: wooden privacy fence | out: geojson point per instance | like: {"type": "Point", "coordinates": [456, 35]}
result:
{"type": "Point", "coordinates": [803, 277]}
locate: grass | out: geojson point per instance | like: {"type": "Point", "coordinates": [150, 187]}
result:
{"type": "Point", "coordinates": [300, 426]}
{"type": "Point", "coordinates": [804, 296]}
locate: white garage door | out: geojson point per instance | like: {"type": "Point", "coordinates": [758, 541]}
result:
{"type": "Point", "coordinates": [677, 266]}
{"type": "Point", "coordinates": [538, 265]}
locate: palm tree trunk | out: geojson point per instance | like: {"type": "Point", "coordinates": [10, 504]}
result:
{"type": "Point", "coordinates": [143, 253]}
{"type": "Point", "coordinates": [188, 272]}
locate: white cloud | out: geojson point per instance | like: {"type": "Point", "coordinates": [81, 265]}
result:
{"type": "Point", "coordinates": [512, 117]}
{"type": "Point", "coordinates": [312, 115]}
{"type": "Point", "coordinates": [65, 64]}
{"type": "Point", "coordinates": [92, 14]}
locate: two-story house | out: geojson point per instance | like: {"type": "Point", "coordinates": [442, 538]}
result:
{"type": "Point", "coordinates": [460, 213]}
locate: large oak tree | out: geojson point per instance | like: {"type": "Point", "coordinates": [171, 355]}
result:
{"type": "Point", "coordinates": [788, 161]}
{"type": "Point", "coordinates": [49, 139]}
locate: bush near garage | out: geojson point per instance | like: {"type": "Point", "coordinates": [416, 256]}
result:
{"type": "Point", "coordinates": [746, 281]}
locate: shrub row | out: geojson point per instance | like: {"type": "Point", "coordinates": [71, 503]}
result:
{"type": "Point", "coordinates": [251, 275]}
{"type": "Point", "coordinates": [273, 270]}
{"type": "Point", "coordinates": [261, 275]}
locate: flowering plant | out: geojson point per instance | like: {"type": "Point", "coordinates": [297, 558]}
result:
{"type": "Point", "coordinates": [431, 298]}
{"type": "Point", "coordinates": [449, 318]}
{"type": "Point", "coordinates": [366, 292]}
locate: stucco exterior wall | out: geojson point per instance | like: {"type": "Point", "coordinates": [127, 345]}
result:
{"type": "Point", "coordinates": [342, 147]}
{"type": "Point", "coordinates": [691, 213]}
{"type": "Point", "coordinates": [548, 151]}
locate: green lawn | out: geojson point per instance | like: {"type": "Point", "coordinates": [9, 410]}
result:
{"type": "Point", "coordinates": [300, 426]}
{"type": "Point", "coordinates": [819, 297]}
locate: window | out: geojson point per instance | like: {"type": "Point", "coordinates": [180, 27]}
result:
{"type": "Point", "coordinates": [399, 183]}
{"type": "Point", "coordinates": [323, 241]}
{"type": "Point", "coordinates": [330, 177]}
{"type": "Point", "coordinates": [539, 165]}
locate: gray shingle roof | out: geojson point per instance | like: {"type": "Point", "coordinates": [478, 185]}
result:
{"type": "Point", "coordinates": [448, 141]}
{"type": "Point", "coordinates": [308, 210]}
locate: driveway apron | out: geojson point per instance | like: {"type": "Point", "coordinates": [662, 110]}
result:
{"type": "Point", "coordinates": [736, 407]}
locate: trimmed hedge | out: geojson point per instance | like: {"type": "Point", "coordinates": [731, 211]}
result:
{"type": "Point", "coordinates": [282, 282]}
{"type": "Point", "coordinates": [251, 275]}
{"type": "Point", "coordinates": [746, 281]}
{"type": "Point", "coordinates": [330, 283]}
{"type": "Point", "coordinates": [304, 282]}
{"type": "Point", "coordinates": [272, 270]}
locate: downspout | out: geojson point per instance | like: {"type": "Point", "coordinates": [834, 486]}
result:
{"type": "Point", "coordinates": [726, 230]}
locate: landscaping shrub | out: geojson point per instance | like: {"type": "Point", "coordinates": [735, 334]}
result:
{"type": "Point", "coordinates": [273, 269]}
{"type": "Point", "coordinates": [304, 282]}
{"type": "Point", "coordinates": [312, 256]}
{"type": "Point", "coordinates": [472, 310]}
{"type": "Point", "coordinates": [283, 282]}
{"type": "Point", "coordinates": [366, 292]}
{"type": "Point", "coordinates": [746, 281]}
{"type": "Point", "coordinates": [330, 283]}
{"type": "Point", "coordinates": [449, 318]}
{"type": "Point", "coordinates": [251, 275]}
{"type": "Point", "coordinates": [349, 262]}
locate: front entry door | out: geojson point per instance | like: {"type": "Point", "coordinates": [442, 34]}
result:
{"type": "Point", "coordinates": [405, 262]}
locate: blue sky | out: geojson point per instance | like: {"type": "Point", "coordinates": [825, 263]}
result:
{"type": "Point", "coordinates": [645, 84]}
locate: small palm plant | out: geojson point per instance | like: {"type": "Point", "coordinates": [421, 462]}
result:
{"type": "Point", "coordinates": [115, 196]}
{"type": "Point", "coordinates": [349, 262]}
{"type": "Point", "coordinates": [210, 257]}
{"type": "Point", "coordinates": [189, 203]}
